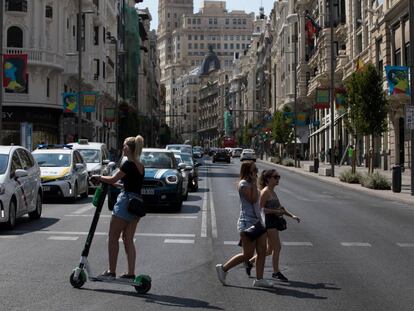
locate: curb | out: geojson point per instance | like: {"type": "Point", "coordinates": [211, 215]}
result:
{"type": "Point", "coordinates": [386, 194]}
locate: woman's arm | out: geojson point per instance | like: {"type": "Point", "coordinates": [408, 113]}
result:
{"type": "Point", "coordinates": [111, 179]}
{"type": "Point", "coordinates": [250, 193]}
{"type": "Point", "coordinates": [289, 214]}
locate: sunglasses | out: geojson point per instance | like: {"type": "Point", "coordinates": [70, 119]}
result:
{"type": "Point", "coordinates": [276, 176]}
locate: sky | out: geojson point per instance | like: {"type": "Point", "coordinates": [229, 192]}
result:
{"type": "Point", "coordinates": [244, 5]}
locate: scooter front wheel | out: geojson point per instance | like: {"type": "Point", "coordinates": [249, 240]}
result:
{"type": "Point", "coordinates": [144, 284]}
{"type": "Point", "coordinates": [77, 283]}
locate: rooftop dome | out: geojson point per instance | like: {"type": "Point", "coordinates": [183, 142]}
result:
{"type": "Point", "coordinates": [210, 62]}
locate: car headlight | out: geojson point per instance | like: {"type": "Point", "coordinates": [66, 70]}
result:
{"type": "Point", "coordinates": [172, 179]}
{"type": "Point", "coordinates": [2, 189]}
{"type": "Point", "coordinates": [65, 177]}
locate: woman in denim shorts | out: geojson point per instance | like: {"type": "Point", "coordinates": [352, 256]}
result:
{"type": "Point", "coordinates": [131, 174]}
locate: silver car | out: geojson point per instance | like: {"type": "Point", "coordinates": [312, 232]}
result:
{"type": "Point", "coordinates": [20, 185]}
{"type": "Point", "coordinates": [248, 154]}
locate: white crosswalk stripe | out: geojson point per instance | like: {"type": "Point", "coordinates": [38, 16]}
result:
{"type": "Point", "coordinates": [63, 238]}
{"type": "Point", "coordinates": [358, 244]}
{"type": "Point", "coordinates": [405, 244]}
{"type": "Point", "coordinates": [178, 241]}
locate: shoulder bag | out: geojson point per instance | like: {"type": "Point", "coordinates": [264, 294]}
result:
{"type": "Point", "coordinates": [136, 206]}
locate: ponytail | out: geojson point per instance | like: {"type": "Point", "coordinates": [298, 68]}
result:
{"type": "Point", "coordinates": [139, 144]}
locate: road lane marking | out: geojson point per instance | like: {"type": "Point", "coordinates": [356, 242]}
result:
{"type": "Point", "coordinates": [297, 243]}
{"type": "Point", "coordinates": [180, 235]}
{"type": "Point", "coordinates": [405, 244]}
{"type": "Point", "coordinates": [83, 209]}
{"type": "Point", "coordinates": [178, 241]}
{"type": "Point", "coordinates": [8, 236]}
{"type": "Point", "coordinates": [213, 213]}
{"type": "Point", "coordinates": [231, 242]}
{"type": "Point", "coordinates": [359, 244]}
{"type": "Point", "coordinates": [147, 216]}
{"type": "Point", "coordinates": [63, 238]}
{"type": "Point", "coordinates": [203, 233]}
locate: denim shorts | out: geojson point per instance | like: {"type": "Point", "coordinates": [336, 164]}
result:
{"type": "Point", "coordinates": [121, 206]}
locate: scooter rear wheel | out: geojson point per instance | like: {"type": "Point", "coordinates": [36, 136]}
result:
{"type": "Point", "coordinates": [144, 282]}
{"type": "Point", "coordinates": [80, 281]}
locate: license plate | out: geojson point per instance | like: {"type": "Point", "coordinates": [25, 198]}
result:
{"type": "Point", "coordinates": [46, 188]}
{"type": "Point", "coordinates": [147, 191]}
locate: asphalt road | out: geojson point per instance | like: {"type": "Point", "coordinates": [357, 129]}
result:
{"type": "Point", "coordinates": [350, 252]}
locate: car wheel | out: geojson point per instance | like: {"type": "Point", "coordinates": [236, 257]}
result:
{"type": "Point", "coordinates": [38, 211]}
{"type": "Point", "coordinates": [85, 194]}
{"type": "Point", "coordinates": [11, 223]}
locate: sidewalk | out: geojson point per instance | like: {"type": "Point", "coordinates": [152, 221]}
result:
{"type": "Point", "coordinates": [404, 196]}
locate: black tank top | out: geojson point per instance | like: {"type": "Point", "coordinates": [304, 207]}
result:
{"type": "Point", "coordinates": [133, 179]}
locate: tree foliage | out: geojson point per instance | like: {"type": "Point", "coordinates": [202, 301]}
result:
{"type": "Point", "coordinates": [281, 127]}
{"type": "Point", "coordinates": [366, 105]}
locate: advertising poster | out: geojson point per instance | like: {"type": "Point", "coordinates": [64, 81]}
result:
{"type": "Point", "coordinates": [89, 101]}
{"type": "Point", "coordinates": [15, 73]}
{"type": "Point", "coordinates": [322, 99]}
{"type": "Point", "coordinates": [397, 78]}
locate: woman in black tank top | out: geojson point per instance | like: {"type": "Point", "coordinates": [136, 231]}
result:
{"type": "Point", "coordinates": [131, 174]}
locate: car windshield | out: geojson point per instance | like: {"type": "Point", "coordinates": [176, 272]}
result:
{"type": "Point", "coordinates": [4, 159]}
{"type": "Point", "coordinates": [90, 155]}
{"type": "Point", "coordinates": [52, 159]}
{"type": "Point", "coordinates": [187, 159]}
{"type": "Point", "coordinates": [157, 160]}
{"type": "Point", "coordinates": [186, 149]}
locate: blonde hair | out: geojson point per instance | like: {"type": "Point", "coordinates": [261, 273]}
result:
{"type": "Point", "coordinates": [135, 144]}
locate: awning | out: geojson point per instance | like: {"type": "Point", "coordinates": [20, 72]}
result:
{"type": "Point", "coordinates": [327, 125]}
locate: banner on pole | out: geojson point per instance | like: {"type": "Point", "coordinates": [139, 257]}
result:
{"type": "Point", "coordinates": [109, 115]}
{"type": "Point", "coordinates": [398, 82]}
{"type": "Point", "coordinates": [89, 101]}
{"type": "Point", "coordinates": [340, 97]}
{"type": "Point", "coordinates": [70, 102]}
{"type": "Point", "coordinates": [322, 99]}
{"type": "Point", "coordinates": [15, 73]}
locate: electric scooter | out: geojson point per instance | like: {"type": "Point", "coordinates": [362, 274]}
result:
{"type": "Point", "coordinates": [82, 272]}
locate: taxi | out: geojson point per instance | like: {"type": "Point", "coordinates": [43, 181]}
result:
{"type": "Point", "coordinates": [63, 171]}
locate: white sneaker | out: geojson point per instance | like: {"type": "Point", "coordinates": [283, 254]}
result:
{"type": "Point", "coordinates": [221, 274]}
{"type": "Point", "coordinates": [262, 283]}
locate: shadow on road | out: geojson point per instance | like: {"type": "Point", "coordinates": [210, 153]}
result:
{"type": "Point", "coordinates": [165, 300]}
{"type": "Point", "coordinates": [224, 175]}
{"type": "Point", "coordinates": [54, 200]}
{"type": "Point", "coordinates": [25, 225]}
{"type": "Point", "coordinates": [282, 291]}
{"type": "Point", "coordinates": [311, 285]}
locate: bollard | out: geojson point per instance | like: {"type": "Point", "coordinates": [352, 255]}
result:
{"type": "Point", "coordinates": [396, 178]}
{"type": "Point", "coordinates": [315, 165]}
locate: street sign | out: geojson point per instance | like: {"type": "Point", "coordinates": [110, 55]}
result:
{"type": "Point", "coordinates": [409, 117]}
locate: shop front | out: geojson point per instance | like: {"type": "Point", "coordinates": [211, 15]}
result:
{"type": "Point", "coordinates": [40, 124]}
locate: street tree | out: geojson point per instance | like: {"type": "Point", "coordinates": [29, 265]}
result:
{"type": "Point", "coordinates": [282, 129]}
{"type": "Point", "coordinates": [367, 109]}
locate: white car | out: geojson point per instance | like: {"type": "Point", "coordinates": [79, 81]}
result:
{"type": "Point", "coordinates": [20, 185]}
{"type": "Point", "coordinates": [248, 154]}
{"type": "Point", "coordinates": [63, 171]}
{"type": "Point", "coordinates": [96, 157]}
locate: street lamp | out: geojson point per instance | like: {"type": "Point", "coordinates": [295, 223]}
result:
{"type": "Point", "coordinates": [1, 74]}
{"type": "Point", "coordinates": [411, 19]}
{"type": "Point", "coordinates": [292, 19]}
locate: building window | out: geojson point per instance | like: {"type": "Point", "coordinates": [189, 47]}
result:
{"type": "Point", "coordinates": [96, 35]}
{"type": "Point", "coordinates": [397, 57]}
{"type": "Point", "coordinates": [14, 37]}
{"type": "Point", "coordinates": [378, 53]}
{"type": "Point", "coordinates": [103, 70]}
{"type": "Point", "coordinates": [16, 5]}
{"type": "Point", "coordinates": [407, 54]}
{"type": "Point", "coordinates": [227, 21]}
{"type": "Point", "coordinates": [96, 66]}
{"type": "Point", "coordinates": [47, 87]}
{"type": "Point", "coordinates": [358, 45]}
{"type": "Point", "coordinates": [49, 11]}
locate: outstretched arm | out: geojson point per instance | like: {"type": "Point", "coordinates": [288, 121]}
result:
{"type": "Point", "coordinates": [289, 214]}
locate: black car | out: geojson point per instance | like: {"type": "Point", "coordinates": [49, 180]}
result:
{"type": "Point", "coordinates": [221, 155]}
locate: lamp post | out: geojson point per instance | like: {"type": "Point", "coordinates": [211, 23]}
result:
{"type": "Point", "coordinates": [332, 86]}
{"type": "Point", "coordinates": [79, 40]}
{"type": "Point", "coordinates": [411, 18]}
{"type": "Point", "coordinates": [114, 40]}
{"type": "Point", "coordinates": [1, 73]}
{"type": "Point", "coordinates": [292, 19]}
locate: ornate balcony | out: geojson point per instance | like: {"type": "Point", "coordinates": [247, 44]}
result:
{"type": "Point", "coordinates": [39, 57]}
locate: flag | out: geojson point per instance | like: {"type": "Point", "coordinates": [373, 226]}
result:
{"type": "Point", "coordinates": [70, 102]}
{"type": "Point", "coordinates": [322, 99]}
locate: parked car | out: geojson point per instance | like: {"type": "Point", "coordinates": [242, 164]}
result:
{"type": "Point", "coordinates": [248, 154]}
{"type": "Point", "coordinates": [236, 152]}
{"type": "Point", "coordinates": [198, 152]}
{"type": "Point", "coordinates": [96, 157]}
{"type": "Point", "coordinates": [163, 181]}
{"type": "Point", "coordinates": [221, 155]}
{"type": "Point", "coordinates": [192, 169]}
{"type": "Point", "coordinates": [184, 173]}
{"type": "Point", "coordinates": [63, 171]}
{"type": "Point", "coordinates": [20, 185]}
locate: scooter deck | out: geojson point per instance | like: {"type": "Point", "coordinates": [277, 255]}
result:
{"type": "Point", "coordinates": [114, 280]}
